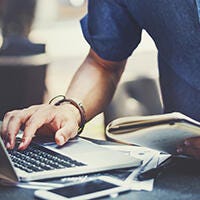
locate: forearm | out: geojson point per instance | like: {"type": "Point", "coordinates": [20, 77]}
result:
{"type": "Point", "coordinates": [94, 83]}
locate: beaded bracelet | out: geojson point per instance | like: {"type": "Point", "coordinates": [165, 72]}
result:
{"type": "Point", "coordinates": [79, 106]}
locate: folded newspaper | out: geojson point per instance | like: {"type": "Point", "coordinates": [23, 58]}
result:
{"type": "Point", "coordinates": [161, 132]}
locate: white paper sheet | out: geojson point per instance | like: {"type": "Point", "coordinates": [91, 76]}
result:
{"type": "Point", "coordinates": [150, 160]}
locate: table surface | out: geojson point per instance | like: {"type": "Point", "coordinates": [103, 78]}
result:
{"type": "Point", "coordinates": [179, 182]}
{"type": "Point", "coordinates": [170, 185]}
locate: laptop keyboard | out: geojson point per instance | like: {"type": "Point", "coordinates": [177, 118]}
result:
{"type": "Point", "coordinates": [38, 158]}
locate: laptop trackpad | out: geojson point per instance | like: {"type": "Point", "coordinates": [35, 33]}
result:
{"type": "Point", "coordinates": [88, 152]}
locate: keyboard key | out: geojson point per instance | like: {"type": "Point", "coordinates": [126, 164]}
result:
{"type": "Point", "coordinates": [37, 158]}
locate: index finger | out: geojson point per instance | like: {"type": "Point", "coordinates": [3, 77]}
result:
{"type": "Point", "coordinates": [4, 125]}
{"type": "Point", "coordinates": [36, 121]}
{"type": "Point", "coordinates": [12, 122]}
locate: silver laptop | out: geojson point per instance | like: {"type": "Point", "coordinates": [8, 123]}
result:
{"type": "Point", "coordinates": [78, 156]}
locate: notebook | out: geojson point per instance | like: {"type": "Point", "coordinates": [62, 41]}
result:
{"type": "Point", "coordinates": [78, 156]}
{"type": "Point", "coordinates": [163, 132]}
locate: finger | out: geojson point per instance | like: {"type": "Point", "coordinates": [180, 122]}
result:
{"type": "Point", "coordinates": [12, 130]}
{"type": "Point", "coordinates": [189, 150]}
{"type": "Point", "coordinates": [35, 122]}
{"type": "Point", "coordinates": [5, 122]}
{"type": "Point", "coordinates": [69, 130]}
{"type": "Point", "coordinates": [14, 122]}
{"type": "Point", "coordinates": [194, 141]}
{"type": "Point", "coordinates": [11, 127]}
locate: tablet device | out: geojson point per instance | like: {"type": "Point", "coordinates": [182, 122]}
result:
{"type": "Point", "coordinates": [89, 189]}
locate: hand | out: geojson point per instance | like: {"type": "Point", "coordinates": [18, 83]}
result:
{"type": "Point", "coordinates": [191, 146]}
{"type": "Point", "coordinates": [59, 120]}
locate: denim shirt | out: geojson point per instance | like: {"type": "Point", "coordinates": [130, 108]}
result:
{"type": "Point", "coordinates": [198, 8]}
{"type": "Point", "coordinates": [113, 30]}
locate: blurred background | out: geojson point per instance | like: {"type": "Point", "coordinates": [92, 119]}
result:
{"type": "Point", "coordinates": [54, 25]}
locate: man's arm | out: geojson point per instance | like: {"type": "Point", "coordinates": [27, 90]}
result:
{"type": "Point", "coordinates": [93, 84]}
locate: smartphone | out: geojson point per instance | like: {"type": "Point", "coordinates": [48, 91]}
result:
{"type": "Point", "coordinates": [89, 189]}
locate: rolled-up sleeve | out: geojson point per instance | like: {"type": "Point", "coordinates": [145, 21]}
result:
{"type": "Point", "coordinates": [110, 30]}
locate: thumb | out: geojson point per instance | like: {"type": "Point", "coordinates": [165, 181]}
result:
{"type": "Point", "coordinates": [65, 133]}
